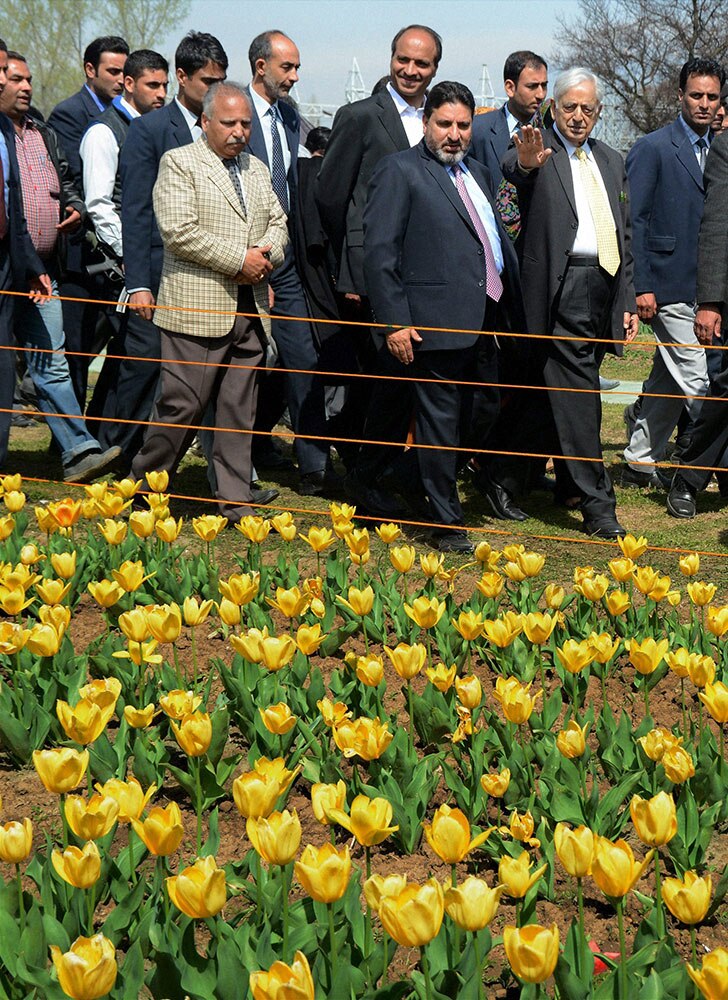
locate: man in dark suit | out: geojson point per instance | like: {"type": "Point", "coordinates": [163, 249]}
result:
{"type": "Point", "coordinates": [525, 80]}
{"type": "Point", "coordinates": [665, 171]}
{"type": "Point", "coordinates": [576, 272]}
{"type": "Point", "coordinates": [200, 61]}
{"type": "Point", "coordinates": [21, 269]}
{"type": "Point", "coordinates": [103, 65]}
{"type": "Point", "coordinates": [274, 139]}
{"type": "Point", "coordinates": [708, 444]}
{"type": "Point", "coordinates": [436, 255]}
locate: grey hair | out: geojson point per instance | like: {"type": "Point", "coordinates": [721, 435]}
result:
{"type": "Point", "coordinates": [222, 87]}
{"type": "Point", "coordinates": [572, 78]}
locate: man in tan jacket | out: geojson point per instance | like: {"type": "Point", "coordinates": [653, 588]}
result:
{"type": "Point", "coordinates": [224, 232]}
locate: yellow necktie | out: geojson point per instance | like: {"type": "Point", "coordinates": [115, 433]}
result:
{"type": "Point", "coordinates": [601, 213]}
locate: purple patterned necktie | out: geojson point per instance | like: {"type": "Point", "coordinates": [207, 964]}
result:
{"type": "Point", "coordinates": [493, 283]}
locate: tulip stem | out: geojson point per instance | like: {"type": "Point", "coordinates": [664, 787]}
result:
{"type": "Point", "coordinates": [646, 691]}
{"type": "Point", "coordinates": [700, 721]}
{"type": "Point", "coordinates": [286, 872]}
{"type": "Point", "coordinates": [193, 646]}
{"type": "Point", "coordinates": [623, 990]}
{"type": "Point", "coordinates": [684, 714]}
{"type": "Point", "coordinates": [580, 903]}
{"type": "Point", "coordinates": [519, 904]}
{"type": "Point", "coordinates": [21, 902]}
{"type": "Point", "coordinates": [693, 949]}
{"type": "Point", "coordinates": [91, 903]}
{"type": "Point", "coordinates": [177, 668]}
{"type": "Point", "coordinates": [426, 973]}
{"type": "Point", "coordinates": [411, 715]}
{"type": "Point", "coordinates": [722, 746]}
{"type": "Point", "coordinates": [658, 896]}
{"type": "Point", "coordinates": [132, 862]}
{"type": "Point", "coordinates": [478, 966]}
{"type": "Point", "coordinates": [198, 802]}
{"type": "Point", "coordinates": [64, 822]}
{"type": "Point", "coordinates": [332, 945]}
{"type": "Point", "coordinates": [364, 631]}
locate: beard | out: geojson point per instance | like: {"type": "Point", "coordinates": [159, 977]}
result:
{"type": "Point", "coordinates": [448, 159]}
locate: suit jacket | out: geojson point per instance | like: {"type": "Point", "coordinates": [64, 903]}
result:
{"type": "Point", "coordinates": [666, 198]}
{"type": "Point", "coordinates": [24, 261]}
{"type": "Point", "coordinates": [69, 120]}
{"type": "Point", "coordinates": [490, 141]}
{"type": "Point", "coordinates": [206, 233]}
{"type": "Point", "coordinates": [712, 283]}
{"type": "Point", "coordinates": [148, 139]}
{"type": "Point", "coordinates": [292, 128]}
{"type": "Point", "coordinates": [362, 134]}
{"type": "Point", "coordinates": [423, 260]}
{"type": "Point", "coordinates": [549, 225]}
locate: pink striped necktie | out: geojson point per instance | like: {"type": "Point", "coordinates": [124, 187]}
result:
{"type": "Point", "coordinates": [493, 283]}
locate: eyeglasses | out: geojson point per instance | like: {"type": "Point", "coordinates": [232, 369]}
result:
{"type": "Point", "coordinates": [588, 110]}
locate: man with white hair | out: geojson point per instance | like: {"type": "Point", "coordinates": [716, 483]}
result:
{"type": "Point", "coordinates": [576, 273]}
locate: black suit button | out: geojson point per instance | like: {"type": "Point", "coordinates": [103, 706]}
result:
{"type": "Point", "coordinates": [574, 225]}
{"type": "Point", "coordinates": [481, 283]}
{"type": "Point", "coordinates": [480, 251]}
{"type": "Point", "coordinates": [559, 277]}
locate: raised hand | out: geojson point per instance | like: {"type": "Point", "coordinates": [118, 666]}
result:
{"type": "Point", "coordinates": [531, 152]}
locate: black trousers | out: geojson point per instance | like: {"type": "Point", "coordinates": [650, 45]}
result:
{"type": "Point", "coordinates": [7, 356]}
{"type": "Point", "coordinates": [709, 440]}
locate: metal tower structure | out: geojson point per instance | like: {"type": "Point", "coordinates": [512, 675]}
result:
{"type": "Point", "coordinates": [485, 97]}
{"type": "Point", "coordinates": [355, 89]}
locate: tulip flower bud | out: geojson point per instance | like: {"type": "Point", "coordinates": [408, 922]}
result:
{"type": "Point", "coordinates": [277, 837]}
{"type": "Point", "coordinates": [162, 830]}
{"type": "Point", "coordinates": [88, 970]}
{"type": "Point", "coordinates": [365, 738]}
{"type": "Point", "coordinates": [92, 818]}
{"type": "Point", "coordinates": [324, 872]}
{"type": "Point", "coordinates": [701, 593]}
{"type": "Point", "coordinates": [678, 764]}
{"type": "Point", "coordinates": [16, 841]}
{"type": "Point", "coordinates": [449, 835]}
{"type": "Point", "coordinates": [715, 699]}
{"type": "Point", "coordinates": [129, 796]}
{"type": "Point", "coordinates": [490, 585]}
{"type": "Point", "coordinates": [470, 691]}
{"type": "Point", "coordinates": [712, 978]}
{"type": "Point", "coordinates": [80, 868]}
{"type": "Point", "coordinates": [278, 719]}
{"type": "Point", "coordinates": [414, 917]}
{"type": "Point", "coordinates": [277, 651]}
{"type": "Point", "coordinates": [425, 612]}
{"type": "Point", "coordinates": [388, 532]}
{"type": "Point", "coordinates": [402, 558]}
{"type": "Point", "coordinates": [360, 602]}
{"type": "Point", "coordinates": [646, 656]}
{"type": "Point", "coordinates": [532, 951]}
{"type": "Point", "coordinates": [574, 656]}
{"type": "Point", "coordinates": [472, 904]}
{"type": "Point", "coordinates": [283, 980]}
{"type": "Point", "coordinates": [199, 890]}
{"type": "Point", "coordinates": [575, 849]}
{"type": "Point", "coordinates": [689, 564]}
{"type": "Point", "coordinates": [496, 785]}
{"type": "Point", "coordinates": [319, 538]}
{"type": "Point", "coordinates": [655, 819]}
{"type": "Point", "coordinates": [378, 887]}
{"type": "Point", "coordinates": [571, 741]}
{"type": "Point", "coordinates": [62, 769]}
{"type": "Point", "coordinates": [325, 798]}
{"type": "Point", "coordinates": [309, 638]}
{"type": "Point", "coordinates": [407, 660]}
{"type": "Point", "coordinates": [538, 627]}
{"type": "Point", "coordinates": [632, 547]}
{"type": "Point", "coordinates": [688, 900]}
{"type": "Point", "coordinates": [194, 733]}
{"type": "Point", "coordinates": [516, 876]}
{"type": "Point", "coordinates": [370, 670]}
{"type": "Point", "coordinates": [441, 677]}
{"type": "Point", "coordinates": [368, 820]}
{"type": "Point", "coordinates": [614, 868]}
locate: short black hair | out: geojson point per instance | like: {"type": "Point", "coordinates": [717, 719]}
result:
{"type": "Point", "coordinates": [518, 61]}
{"type": "Point", "coordinates": [3, 46]}
{"type": "Point", "coordinates": [106, 43]}
{"type": "Point", "coordinates": [318, 139]}
{"type": "Point", "coordinates": [429, 31]}
{"type": "Point", "coordinates": [12, 54]}
{"type": "Point", "coordinates": [142, 60]}
{"type": "Point", "coordinates": [197, 49]}
{"type": "Point", "coordinates": [448, 92]}
{"type": "Point", "coordinates": [701, 67]}
{"type": "Point", "coordinates": [261, 48]}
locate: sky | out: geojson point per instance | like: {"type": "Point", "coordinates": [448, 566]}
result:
{"type": "Point", "coordinates": [330, 33]}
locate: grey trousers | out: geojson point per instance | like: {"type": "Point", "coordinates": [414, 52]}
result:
{"type": "Point", "coordinates": [184, 393]}
{"type": "Point", "coordinates": [677, 369]}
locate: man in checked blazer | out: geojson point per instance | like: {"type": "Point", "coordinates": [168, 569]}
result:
{"type": "Point", "coordinates": [224, 232]}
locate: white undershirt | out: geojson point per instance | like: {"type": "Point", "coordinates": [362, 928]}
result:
{"type": "Point", "coordinates": [410, 117]}
{"type": "Point", "coordinates": [482, 207]}
{"type": "Point", "coordinates": [585, 243]}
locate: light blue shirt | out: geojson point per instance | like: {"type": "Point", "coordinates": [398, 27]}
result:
{"type": "Point", "coordinates": [4, 156]}
{"type": "Point", "coordinates": [99, 104]}
{"type": "Point", "coordinates": [482, 207]}
{"type": "Point", "coordinates": [694, 137]}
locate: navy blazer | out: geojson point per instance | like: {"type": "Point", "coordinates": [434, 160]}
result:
{"type": "Point", "coordinates": [490, 140]}
{"type": "Point", "coordinates": [148, 139]}
{"type": "Point", "coordinates": [667, 196]}
{"type": "Point", "coordinates": [423, 259]}
{"type": "Point", "coordinates": [24, 261]}
{"type": "Point", "coordinates": [292, 128]}
{"type": "Point", "coordinates": [69, 120]}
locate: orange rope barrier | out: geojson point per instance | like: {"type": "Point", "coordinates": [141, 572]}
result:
{"type": "Point", "coordinates": [414, 524]}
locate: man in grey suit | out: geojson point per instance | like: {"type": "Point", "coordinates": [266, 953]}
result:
{"type": "Point", "coordinates": [576, 273]}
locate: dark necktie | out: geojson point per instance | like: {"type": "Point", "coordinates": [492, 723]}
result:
{"type": "Point", "coordinates": [493, 283]}
{"type": "Point", "coordinates": [278, 166]}
{"type": "Point", "coordinates": [233, 167]}
{"type": "Point", "coordinates": [702, 145]}
{"type": "Point", "coordinates": [3, 212]}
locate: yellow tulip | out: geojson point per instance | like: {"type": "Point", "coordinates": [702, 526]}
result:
{"type": "Point", "coordinates": [309, 638]}
{"type": "Point", "coordinates": [80, 868]}
{"type": "Point", "coordinates": [164, 622]}
{"type": "Point", "coordinates": [250, 645]}
{"type": "Point", "coordinates": [617, 602]}
{"type": "Point", "coordinates": [712, 978]}
{"type": "Point", "coordinates": [196, 612]}
{"type": "Point", "coordinates": [689, 564]}
{"type": "Point", "coordinates": [7, 526]}
{"type": "Point", "coordinates": [502, 631]}
{"type": "Point", "coordinates": [571, 741]}
{"type": "Point", "coordinates": [370, 670]}
{"type": "Point", "coordinates": [208, 526]}
{"type": "Point", "coordinates": [66, 512]}
{"type": "Point", "coordinates": [278, 719]}
{"type": "Point", "coordinates": [496, 785]}
{"type": "Point", "coordinates": [158, 481]}
{"type": "Point", "coordinates": [129, 796]}
{"type": "Point", "coordinates": [256, 794]}
{"type": "Point", "coordinates": [291, 603]}
{"type": "Point", "coordinates": [716, 621]}
{"type": "Point", "coordinates": [194, 733]}
{"type": "Point", "coordinates": [324, 872]}
{"type": "Point", "coordinates": [357, 542]}
{"type": "Point", "coordinates": [333, 713]}
{"type": "Point", "coordinates": [64, 566]}
{"type": "Point", "coordinates": [715, 699]}
{"type": "Point", "coordinates": [44, 640]}
{"type": "Point", "coordinates": [240, 588]}
{"type": "Point", "coordinates": [276, 769]}
{"type": "Point", "coordinates": [114, 532]}
{"type": "Point", "coordinates": [92, 818]}
{"type": "Point", "coordinates": [472, 904]}
{"type": "Point", "coordinates": [655, 819]}
{"type": "Point", "coordinates": [701, 670]}
{"type": "Point", "coordinates": [614, 868]}
{"type": "Point", "coordinates": [486, 555]}
{"type": "Point", "coordinates": [621, 569]}
{"type": "Point", "coordinates": [102, 692]}
{"type": "Point", "coordinates": [176, 704]}
{"type": "Point", "coordinates": [284, 982]}
{"type": "Point", "coordinates": [13, 637]}
{"type": "Point", "coordinates": [106, 593]}
{"type": "Point", "coordinates": [673, 598]}
{"type": "Point", "coordinates": [593, 588]}
{"type": "Point", "coordinates": [402, 558]}
{"type": "Point", "coordinates": [646, 656]}
{"type": "Point", "coordinates": [88, 970]}
{"type": "Point", "coordinates": [603, 646]}
{"type": "Point", "coordinates": [365, 738]}
{"type": "Point", "coordinates": [688, 900]}
{"type": "Point", "coordinates": [135, 624]}
{"type": "Point", "coordinates": [632, 547]}
{"type": "Point", "coordinates": [449, 835]}
{"type": "Point", "coordinates": [276, 838]}
{"type": "Point", "coordinates": [378, 887]}
{"type": "Point", "coordinates": [469, 625]}
{"type": "Point", "coordinates": [678, 660]}
{"type": "Point", "coordinates": [701, 593]}
{"type": "Point", "coordinates": [139, 718]}
{"type": "Point", "coordinates": [490, 585]}
{"type": "Point", "coordinates": [16, 841]}
{"type": "Point", "coordinates": [515, 700]}
{"type": "Point", "coordinates": [167, 529]}
{"type": "Point", "coordinates": [130, 575]}
{"type": "Point", "coordinates": [515, 874]}
{"type": "Point", "coordinates": [360, 602]}
{"type": "Point", "coordinates": [657, 741]}
{"type": "Point", "coordinates": [277, 651]}
{"type": "Point", "coordinates": [388, 532]}
{"type": "Point", "coordinates": [52, 591]}
{"type": "Point", "coordinates": [29, 555]}
{"type": "Point", "coordinates": [441, 677]}
{"type": "Point", "coordinates": [14, 500]}
{"type": "Point", "coordinates": [368, 820]}
{"type": "Point", "coordinates": [530, 563]}
{"type": "Point", "coordinates": [127, 488]}
{"type": "Point", "coordinates": [538, 626]}
{"type": "Point", "coordinates": [430, 564]}
{"type": "Point", "coordinates": [414, 916]}
{"type": "Point", "coordinates": [86, 721]}
{"type": "Point", "coordinates": [199, 890]}
{"type": "Point", "coordinates": [142, 523]}
{"type": "Point", "coordinates": [532, 951]}
{"type": "Point", "coordinates": [12, 602]}
{"type": "Point", "coordinates": [325, 797]}
{"type": "Point", "coordinates": [319, 539]}
{"type": "Point", "coordinates": [469, 690]}
{"type": "Point", "coordinates": [407, 660]}
{"type": "Point", "coordinates": [574, 656]}
{"type": "Point", "coordinates": [575, 849]}
{"type": "Point", "coordinates": [678, 764]}
{"type": "Point", "coordinates": [660, 590]}
{"type": "Point", "coordinates": [645, 578]}
{"type": "Point", "coordinates": [57, 615]}
{"type": "Point", "coordinates": [162, 830]}
{"type": "Point", "coordinates": [61, 769]}
{"type": "Point", "coordinates": [425, 612]}
{"type": "Point", "coordinates": [285, 525]}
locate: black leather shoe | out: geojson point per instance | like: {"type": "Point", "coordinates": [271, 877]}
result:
{"type": "Point", "coordinates": [316, 484]}
{"type": "Point", "coordinates": [259, 498]}
{"type": "Point", "coordinates": [607, 527]}
{"type": "Point", "coordinates": [681, 499]}
{"type": "Point", "coordinates": [636, 479]}
{"type": "Point", "coordinates": [372, 501]}
{"type": "Point", "coordinates": [500, 500]}
{"type": "Point", "coordinates": [271, 460]}
{"type": "Point", "coordinates": [453, 541]}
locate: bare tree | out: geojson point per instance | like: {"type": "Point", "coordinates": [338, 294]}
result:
{"type": "Point", "coordinates": [143, 23]}
{"type": "Point", "coordinates": [638, 46]}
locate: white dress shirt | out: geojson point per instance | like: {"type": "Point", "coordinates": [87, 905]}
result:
{"type": "Point", "coordinates": [261, 108]}
{"type": "Point", "coordinates": [191, 119]}
{"type": "Point", "coordinates": [585, 243]}
{"type": "Point", "coordinates": [410, 117]}
{"type": "Point", "coordinates": [482, 207]}
{"type": "Point", "coordinates": [100, 158]}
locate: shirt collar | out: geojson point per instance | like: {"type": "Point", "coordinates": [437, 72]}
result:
{"type": "Point", "coordinates": [691, 133]}
{"type": "Point", "coordinates": [97, 101]}
{"type": "Point", "coordinates": [129, 108]}
{"type": "Point", "coordinates": [403, 108]}
{"type": "Point", "coordinates": [189, 117]}
{"type": "Point", "coordinates": [262, 107]}
{"type": "Point", "coordinates": [571, 148]}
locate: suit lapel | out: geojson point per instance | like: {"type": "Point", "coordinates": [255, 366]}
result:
{"type": "Point", "coordinates": [391, 121]}
{"type": "Point", "coordinates": [180, 129]}
{"type": "Point", "coordinates": [500, 135]}
{"type": "Point", "coordinates": [563, 170]}
{"type": "Point", "coordinates": [440, 174]}
{"type": "Point", "coordinates": [220, 177]}
{"type": "Point", "coordinates": [685, 153]}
